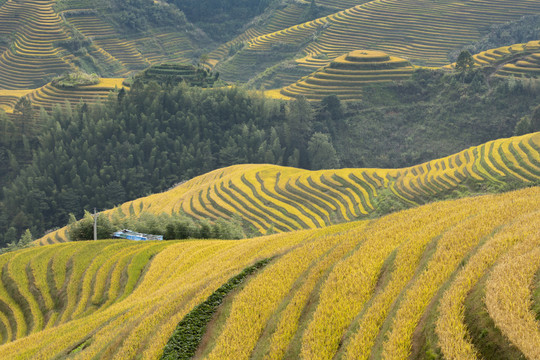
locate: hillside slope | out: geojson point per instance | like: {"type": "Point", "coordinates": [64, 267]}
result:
{"type": "Point", "coordinates": [421, 31]}
{"type": "Point", "coordinates": [274, 198]}
{"type": "Point", "coordinates": [28, 55]}
{"type": "Point", "coordinates": [392, 287]}
{"type": "Point", "coordinates": [40, 39]}
{"type": "Point", "coordinates": [348, 74]}
{"type": "Point", "coordinates": [504, 56]}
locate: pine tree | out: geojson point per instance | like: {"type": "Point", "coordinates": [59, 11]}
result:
{"type": "Point", "coordinates": [321, 153]}
{"type": "Point", "coordinates": [25, 240]}
{"type": "Point", "coordinates": [465, 61]}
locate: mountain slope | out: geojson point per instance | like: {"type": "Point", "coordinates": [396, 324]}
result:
{"type": "Point", "coordinates": [42, 39]}
{"type": "Point", "coordinates": [396, 286]}
{"type": "Point", "coordinates": [346, 75]}
{"type": "Point", "coordinates": [31, 56]}
{"type": "Point", "coordinates": [421, 31]}
{"type": "Point", "coordinates": [274, 198]}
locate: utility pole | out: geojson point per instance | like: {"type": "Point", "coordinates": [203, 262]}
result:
{"type": "Point", "coordinates": [95, 224]}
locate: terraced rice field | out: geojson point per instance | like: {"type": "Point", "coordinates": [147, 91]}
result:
{"type": "Point", "coordinates": [421, 31]}
{"type": "Point", "coordinates": [32, 27]}
{"type": "Point", "coordinates": [338, 4]}
{"type": "Point", "coordinates": [163, 46]}
{"type": "Point", "coordinates": [243, 65]}
{"type": "Point", "coordinates": [380, 288]}
{"type": "Point", "coordinates": [134, 53]}
{"type": "Point", "coordinates": [526, 67]}
{"type": "Point", "coordinates": [90, 25]}
{"type": "Point", "coordinates": [418, 30]}
{"type": "Point", "coordinates": [274, 198]}
{"type": "Point", "coordinates": [49, 96]}
{"type": "Point", "coordinates": [493, 57]}
{"type": "Point", "coordinates": [175, 73]}
{"type": "Point", "coordinates": [277, 78]}
{"type": "Point", "coordinates": [501, 56]}
{"type": "Point", "coordinates": [109, 294]}
{"type": "Point", "coordinates": [8, 98]}
{"type": "Point", "coordinates": [279, 19]}
{"type": "Point", "coordinates": [518, 60]}
{"type": "Point", "coordinates": [347, 74]}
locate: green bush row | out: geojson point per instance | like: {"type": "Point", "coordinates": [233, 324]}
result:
{"type": "Point", "coordinates": [189, 332]}
{"type": "Point", "coordinates": [171, 226]}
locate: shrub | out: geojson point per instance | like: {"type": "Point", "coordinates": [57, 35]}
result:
{"type": "Point", "coordinates": [173, 226]}
{"type": "Point", "coordinates": [84, 228]}
{"type": "Point", "coordinates": [74, 79]}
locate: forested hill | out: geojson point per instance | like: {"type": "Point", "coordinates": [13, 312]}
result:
{"type": "Point", "coordinates": [155, 136]}
{"type": "Point", "coordinates": [269, 198]}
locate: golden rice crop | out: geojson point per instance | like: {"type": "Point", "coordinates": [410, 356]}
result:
{"type": "Point", "coordinates": [451, 249]}
{"type": "Point", "coordinates": [450, 327]}
{"type": "Point", "coordinates": [508, 296]}
{"type": "Point", "coordinates": [256, 303]}
{"type": "Point", "coordinates": [405, 265]}
{"type": "Point", "coordinates": [356, 284]}
{"type": "Point", "coordinates": [288, 320]}
{"type": "Point", "coordinates": [350, 285]}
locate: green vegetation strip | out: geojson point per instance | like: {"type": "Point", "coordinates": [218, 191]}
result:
{"type": "Point", "coordinates": [530, 168]}
{"type": "Point", "coordinates": [280, 196]}
{"type": "Point", "coordinates": [268, 215]}
{"type": "Point", "coordinates": [486, 337]}
{"type": "Point", "coordinates": [536, 295]}
{"type": "Point", "coordinates": [189, 332]}
{"type": "Point", "coordinates": [272, 205]}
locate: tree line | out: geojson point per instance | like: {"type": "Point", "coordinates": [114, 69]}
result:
{"type": "Point", "coordinates": [145, 142]}
{"type": "Point", "coordinates": [175, 226]}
